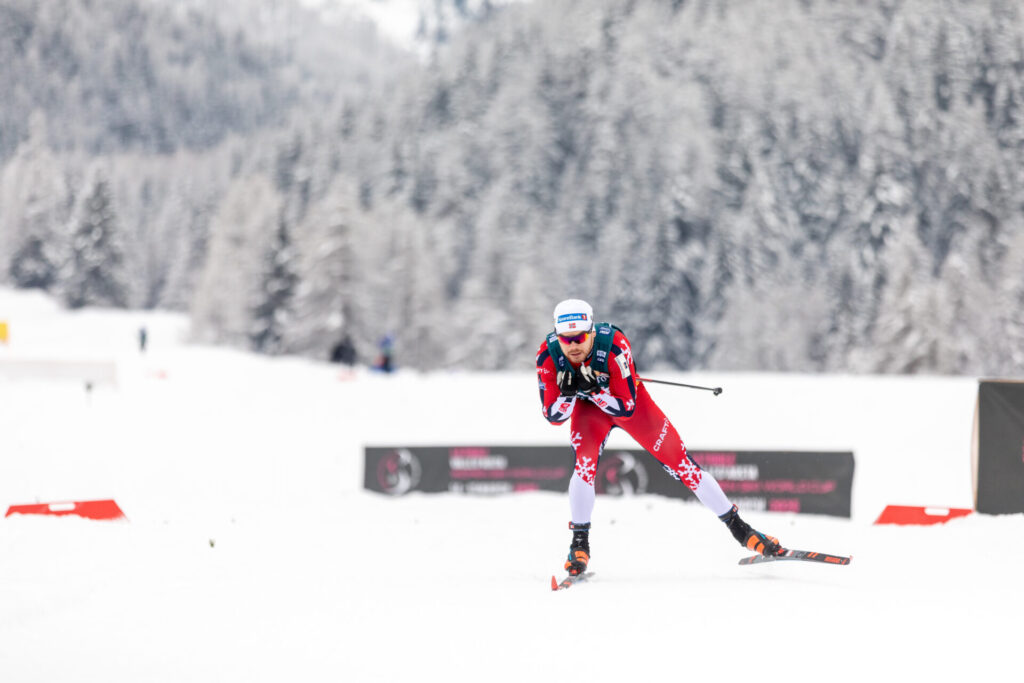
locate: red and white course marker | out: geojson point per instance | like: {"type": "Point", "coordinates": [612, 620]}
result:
{"type": "Point", "coordinates": [90, 509]}
{"type": "Point", "coordinates": [913, 514]}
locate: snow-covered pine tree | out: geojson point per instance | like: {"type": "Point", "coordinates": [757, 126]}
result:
{"type": "Point", "coordinates": [228, 285]}
{"type": "Point", "coordinates": [94, 274]}
{"type": "Point", "coordinates": [325, 306]}
{"type": "Point", "coordinates": [34, 209]}
{"type": "Point", "coordinates": [37, 257]}
{"type": "Point", "coordinates": [272, 314]}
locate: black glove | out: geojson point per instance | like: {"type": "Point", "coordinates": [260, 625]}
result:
{"type": "Point", "coordinates": [567, 382]}
{"type": "Point", "coordinates": [586, 383]}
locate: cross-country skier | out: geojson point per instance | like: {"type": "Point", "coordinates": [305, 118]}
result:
{"type": "Point", "coordinates": [587, 375]}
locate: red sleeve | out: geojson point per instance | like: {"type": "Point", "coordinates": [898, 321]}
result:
{"type": "Point", "coordinates": [556, 408]}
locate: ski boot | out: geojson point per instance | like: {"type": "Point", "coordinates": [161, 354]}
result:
{"type": "Point", "coordinates": [579, 549]}
{"type": "Point", "coordinates": [750, 538]}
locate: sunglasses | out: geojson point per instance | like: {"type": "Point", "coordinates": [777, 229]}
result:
{"type": "Point", "coordinates": [575, 339]}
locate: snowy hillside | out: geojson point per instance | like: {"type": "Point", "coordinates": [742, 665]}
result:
{"type": "Point", "coordinates": [252, 554]}
{"type": "Point", "coordinates": [848, 182]}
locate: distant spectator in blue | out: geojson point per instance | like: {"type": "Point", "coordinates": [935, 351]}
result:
{"type": "Point", "coordinates": [384, 363]}
{"type": "Point", "coordinates": [142, 339]}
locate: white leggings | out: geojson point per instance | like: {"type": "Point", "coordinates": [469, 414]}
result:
{"type": "Point", "coordinates": [582, 495]}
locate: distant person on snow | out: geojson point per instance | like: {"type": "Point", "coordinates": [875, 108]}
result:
{"type": "Point", "coordinates": [384, 362]}
{"type": "Point", "coordinates": [586, 374]}
{"type": "Point", "coordinates": [344, 352]}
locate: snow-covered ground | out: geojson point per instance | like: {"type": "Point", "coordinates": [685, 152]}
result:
{"type": "Point", "coordinates": [252, 554]}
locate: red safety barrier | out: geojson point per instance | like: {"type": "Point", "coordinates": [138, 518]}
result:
{"type": "Point", "coordinates": [912, 514]}
{"type": "Point", "coordinates": [91, 509]}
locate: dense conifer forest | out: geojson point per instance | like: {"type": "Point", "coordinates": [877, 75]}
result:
{"type": "Point", "coordinates": [794, 185]}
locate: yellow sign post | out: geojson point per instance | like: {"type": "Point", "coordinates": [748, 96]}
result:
{"type": "Point", "coordinates": [3, 332]}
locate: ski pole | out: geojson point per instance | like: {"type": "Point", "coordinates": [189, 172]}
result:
{"type": "Point", "coordinates": [714, 390]}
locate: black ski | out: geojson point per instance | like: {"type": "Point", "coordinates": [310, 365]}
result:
{"type": "Point", "coordinates": [569, 581]}
{"type": "Point", "coordinates": [805, 555]}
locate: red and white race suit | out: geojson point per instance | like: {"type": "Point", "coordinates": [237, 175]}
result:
{"type": "Point", "coordinates": [623, 403]}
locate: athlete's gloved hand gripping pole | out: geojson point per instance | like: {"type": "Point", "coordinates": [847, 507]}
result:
{"type": "Point", "coordinates": [586, 381]}
{"type": "Point", "coordinates": [578, 381]}
{"type": "Point", "coordinates": [566, 382]}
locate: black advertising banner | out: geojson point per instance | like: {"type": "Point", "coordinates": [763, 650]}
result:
{"type": "Point", "coordinates": [1000, 447]}
{"type": "Point", "coordinates": [462, 469]}
{"type": "Point", "coordinates": [809, 482]}
{"type": "Point", "coordinates": [777, 481]}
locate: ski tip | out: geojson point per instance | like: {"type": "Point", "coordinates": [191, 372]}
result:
{"type": "Point", "coordinates": [554, 583]}
{"type": "Point", "coordinates": [837, 559]}
{"type": "Point", "coordinates": [804, 555]}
